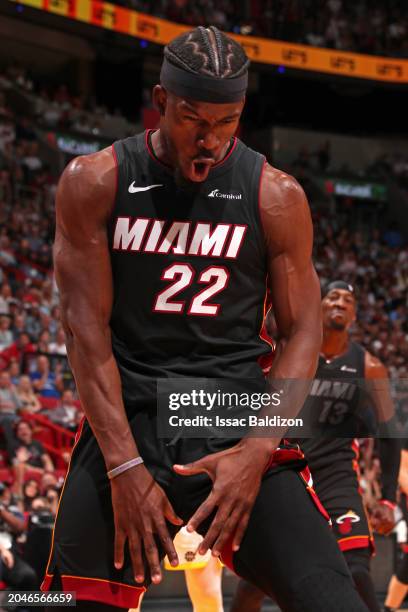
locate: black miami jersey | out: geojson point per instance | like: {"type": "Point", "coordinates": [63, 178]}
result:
{"type": "Point", "coordinates": [189, 268]}
{"type": "Point", "coordinates": [338, 409]}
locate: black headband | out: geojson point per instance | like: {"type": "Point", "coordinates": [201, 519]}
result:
{"type": "Point", "coordinates": [339, 284]}
{"type": "Point", "coordinates": [201, 87]}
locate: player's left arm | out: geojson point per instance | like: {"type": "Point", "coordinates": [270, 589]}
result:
{"type": "Point", "coordinates": [378, 383]}
{"type": "Point", "coordinates": [237, 472]}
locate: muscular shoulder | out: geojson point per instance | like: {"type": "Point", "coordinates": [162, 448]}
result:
{"type": "Point", "coordinates": [284, 209]}
{"type": "Point", "coordinates": [87, 186]}
{"type": "Point", "coordinates": [373, 367]}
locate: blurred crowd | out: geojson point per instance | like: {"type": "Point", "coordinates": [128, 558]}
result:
{"type": "Point", "coordinates": [365, 26]}
{"type": "Point", "coordinates": [55, 107]}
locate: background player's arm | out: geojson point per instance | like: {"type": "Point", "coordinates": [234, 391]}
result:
{"type": "Point", "coordinates": [85, 198]}
{"type": "Point", "coordinates": [389, 446]}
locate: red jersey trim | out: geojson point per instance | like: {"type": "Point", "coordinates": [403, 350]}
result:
{"type": "Point", "coordinates": [278, 457]}
{"type": "Point", "coordinates": [356, 542]}
{"type": "Point", "coordinates": [77, 438]}
{"type": "Point", "coordinates": [115, 158]}
{"type": "Point", "coordinates": [96, 589]}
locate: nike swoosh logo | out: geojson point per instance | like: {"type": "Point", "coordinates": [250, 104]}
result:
{"type": "Point", "coordinates": [133, 189]}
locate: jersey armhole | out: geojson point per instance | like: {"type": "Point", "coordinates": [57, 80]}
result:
{"type": "Point", "coordinates": [261, 227]}
{"type": "Point", "coordinates": [115, 159]}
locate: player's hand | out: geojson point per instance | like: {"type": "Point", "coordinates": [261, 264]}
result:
{"type": "Point", "coordinates": [140, 509]}
{"type": "Point", "coordinates": [236, 474]}
{"type": "Point", "coordinates": [382, 518]}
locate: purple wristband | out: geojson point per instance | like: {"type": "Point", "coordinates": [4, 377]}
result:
{"type": "Point", "coordinates": [124, 467]}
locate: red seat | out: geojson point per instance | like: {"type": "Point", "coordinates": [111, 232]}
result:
{"type": "Point", "coordinates": [44, 435]}
{"type": "Point", "coordinates": [49, 403]}
{"type": "Point", "coordinates": [32, 475]}
{"type": "Point", "coordinates": [4, 458]}
{"type": "Point", "coordinates": [6, 475]}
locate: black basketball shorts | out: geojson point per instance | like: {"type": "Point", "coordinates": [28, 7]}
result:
{"type": "Point", "coordinates": [341, 497]}
{"type": "Point", "coordinates": [288, 540]}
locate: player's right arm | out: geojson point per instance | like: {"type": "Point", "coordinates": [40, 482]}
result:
{"type": "Point", "coordinates": [85, 198]}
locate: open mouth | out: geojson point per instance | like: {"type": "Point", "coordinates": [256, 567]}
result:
{"type": "Point", "coordinates": [200, 168]}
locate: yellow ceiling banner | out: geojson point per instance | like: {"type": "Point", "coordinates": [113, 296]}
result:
{"type": "Point", "coordinates": [263, 50]}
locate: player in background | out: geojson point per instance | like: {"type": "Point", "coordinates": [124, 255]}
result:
{"type": "Point", "coordinates": [333, 461]}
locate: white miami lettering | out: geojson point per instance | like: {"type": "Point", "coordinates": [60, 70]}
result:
{"type": "Point", "coordinates": [178, 233]}
{"type": "Point", "coordinates": [154, 236]}
{"type": "Point", "coordinates": [207, 242]}
{"type": "Point", "coordinates": [236, 241]}
{"type": "Point", "coordinates": [180, 238]}
{"type": "Point", "coordinates": [129, 237]}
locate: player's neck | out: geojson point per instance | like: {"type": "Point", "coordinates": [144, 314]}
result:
{"type": "Point", "coordinates": [159, 147]}
{"type": "Point", "coordinates": [335, 343]}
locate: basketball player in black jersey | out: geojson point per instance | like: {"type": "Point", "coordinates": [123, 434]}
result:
{"type": "Point", "coordinates": [163, 244]}
{"type": "Point", "coordinates": [398, 586]}
{"type": "Point", "coordinates": [334, 461]}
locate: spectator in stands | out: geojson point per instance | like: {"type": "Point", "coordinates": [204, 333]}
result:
{"type": "Point", "coordinates": [45, 382]}
{"type": "Point", "coordinates": [19, 324]}
{"type": "Point", "coordinates": [52, 495]}
{"type": "Point", "coordinates": [6, 335]}
{"type": "Point", "coordinates": [18, 350]}
{"type": "Point", "coordinates": [393, 236]}
{"type": "Point", "coordinates": [14, 371]}
{"type": "Point", "coordinates": [28, 400]}
{"type": "Point", "coordinates": [9, 406]}
{"type": "Point", "coordinates": [49, 479]}
{"type": "Point", "coordinates": [33, 324]}
{"type": "Point", "coordinates": [15, 572]}
{"type": "Point", "coordinates": [28, 455]}
{"type": "Point", "coordinates": [58, 346]}
{"type": "Point", "coordinates": [66, 412]}
{"type": "Point", "coordinates": [31, 161]}
{"type": "Point", "coordinates": [40, 504]}
{"type": "Point", "coordinates": [6, 297]}
{"type": "Point", "coordinates": [31, 490]}
{"type": "Point", "coordinates": [44, 339]}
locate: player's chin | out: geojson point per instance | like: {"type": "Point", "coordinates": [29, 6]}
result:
{"type": "Point", "coordinates": [338, 324]}
{"type": "Point", "coordinates": [196, 172]}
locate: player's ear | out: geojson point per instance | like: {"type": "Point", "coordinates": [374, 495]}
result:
{"type": "Point", "coordinates": [160, 99]}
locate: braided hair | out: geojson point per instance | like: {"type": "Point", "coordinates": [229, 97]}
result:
{"type": "Point", "coordinates": [207, 51]}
